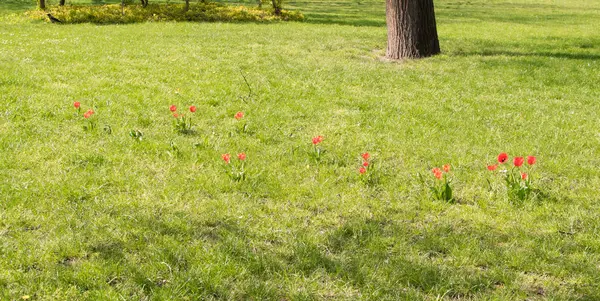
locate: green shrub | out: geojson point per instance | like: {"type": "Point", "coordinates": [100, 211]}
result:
{"type": "Point", "coordinates": [208, 12]}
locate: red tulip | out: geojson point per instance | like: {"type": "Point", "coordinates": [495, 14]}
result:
{"type": "Point", "coordinates": [524, 176]}
{"type": "Point", "coordinates": [365, 156]}
{"type": "Point", "coordinates": [492, 167]}
{"type": "Point", "coordinates": [176, 115]}
{"type": "Point", "coordinates": [502, 158]}
{"type": "Point", "coordinates": [173, 108]}
{"type": "Point", "coordinates": [239, 115]}
{"type": "Point", "coordinates": [362, 170]}
{"type": "Point", "coordinates": [317, 140]}
{"type": "Point", "coordinates": [241, 156]}
{"type": "Point", "coordinates": [77, 104]}
{"type": "Point", "coordinates": [531, 160]}
{"type": "Point", "coordinates": [365, 164]}
{"type": "Point", "coordinates": [518, 161]}
{"type": "Point", "coordinates": [226, 158]}
{"type": "Point", "coordinates": [447, 168]}
{"type": "Point", "coordinates": [193, 109]}
{"type": "Point", "coordinates": [437, 173]}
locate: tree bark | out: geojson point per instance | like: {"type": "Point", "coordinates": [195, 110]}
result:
{"type": "Point", "coordinates": [411, 27]}
{"type": "Point", "coordinates": [276, 7]}
{"type": "Point", "coordinates": [61, 3]}
{"type": "Point", "coordinates": [42, 4]}
{"type": "Point", "coordinates": [187, 5]}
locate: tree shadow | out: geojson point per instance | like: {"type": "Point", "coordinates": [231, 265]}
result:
{"type": "Point", "coordinates": [548, 54]}
{"type": "Point", "coordinates": [15, 6]}
{"type": "Point", "coordinates": [372, 13]}
{"type": "Point", "coordinates": [337, 20]}
{"type": "Point", "coordinates": [354, 13]}
{"type": "Point", "coordinates": [371, 244]}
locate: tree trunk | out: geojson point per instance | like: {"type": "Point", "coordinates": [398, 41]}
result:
{"type": "Point", "coordinates": [42, 4]}
{"type": "Point", "coordinates": [187, 5]}
{"type": "Point", "coordinates": [276, 7]}
{"type": "Point", "coordinates": [62, 3]}
{"type": "Point", "coordinates": [412, 32]}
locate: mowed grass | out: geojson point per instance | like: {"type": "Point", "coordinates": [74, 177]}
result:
{"type": "Point", "coordinates": [98, 216]}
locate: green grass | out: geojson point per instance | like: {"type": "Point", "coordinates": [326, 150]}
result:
{"type": "Point", "coordinates": [97, 216]}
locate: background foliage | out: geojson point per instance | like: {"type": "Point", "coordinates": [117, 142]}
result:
{"type": "Point", "coordinates": [115, 13]}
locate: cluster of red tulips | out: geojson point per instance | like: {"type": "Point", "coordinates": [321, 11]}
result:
{"type": "Point", "coordinates": [518, 181]}
{"type": "Point", "coordinates": [317, 151]}
{"type": "Point", "coordinates": [173, 109]}
{"type": "Point", "coordinates": [87, 114]}
{"type": "Point", "coordinates": [227, 157]}
{"type": "Point", "coordinates": [441, 188]}
{"type": "Point", "coordinates": [183, 123]}
{"type": "Point", "coordinates": [438, 172]}
{"type": "Point", "coordinates": [236, 171]}
{"type": "Point", "coordinates": [91, 124]}
{"type": "Point", "coordinates": [365, 164]}
{"type": "Point", "coordinates": [517, 162]}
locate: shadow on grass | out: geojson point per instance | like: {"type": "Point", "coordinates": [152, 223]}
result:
{"type": "Point", "coordinates": [342, 12]}
{"type": "Point", "coordinates": [371, 244]}
{"type": "Point", "coordinates": [548, 54]}
{"type": "Point", "coordinates": [351, 253]}
{"type": "Point", "coordinates": [216, 257]}
{"type": "Point", "coordinates": [15, 6]}
{"type": "Point", "coordinates": [328, 20]}
{"type": "Point", "coordinates": [372, 13]}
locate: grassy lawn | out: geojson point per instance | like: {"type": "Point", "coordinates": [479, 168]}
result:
{"type": "Point", "coordinates": [98, 215]}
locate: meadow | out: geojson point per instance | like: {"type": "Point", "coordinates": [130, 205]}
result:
{"type": "Point", "coordinates": [134, 210]}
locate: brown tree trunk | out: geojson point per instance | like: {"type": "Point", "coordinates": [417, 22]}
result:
{"type": "Point", "coordinates": [276, 7]}
{"type": "Point", "coordinates": [42, 4]}
{"type": "Point", "coordinates": [187, 5]}
{"type": "Point", "coordinates": [412, 32]}
{"type": "Point", "coordinates": [61, 3]}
